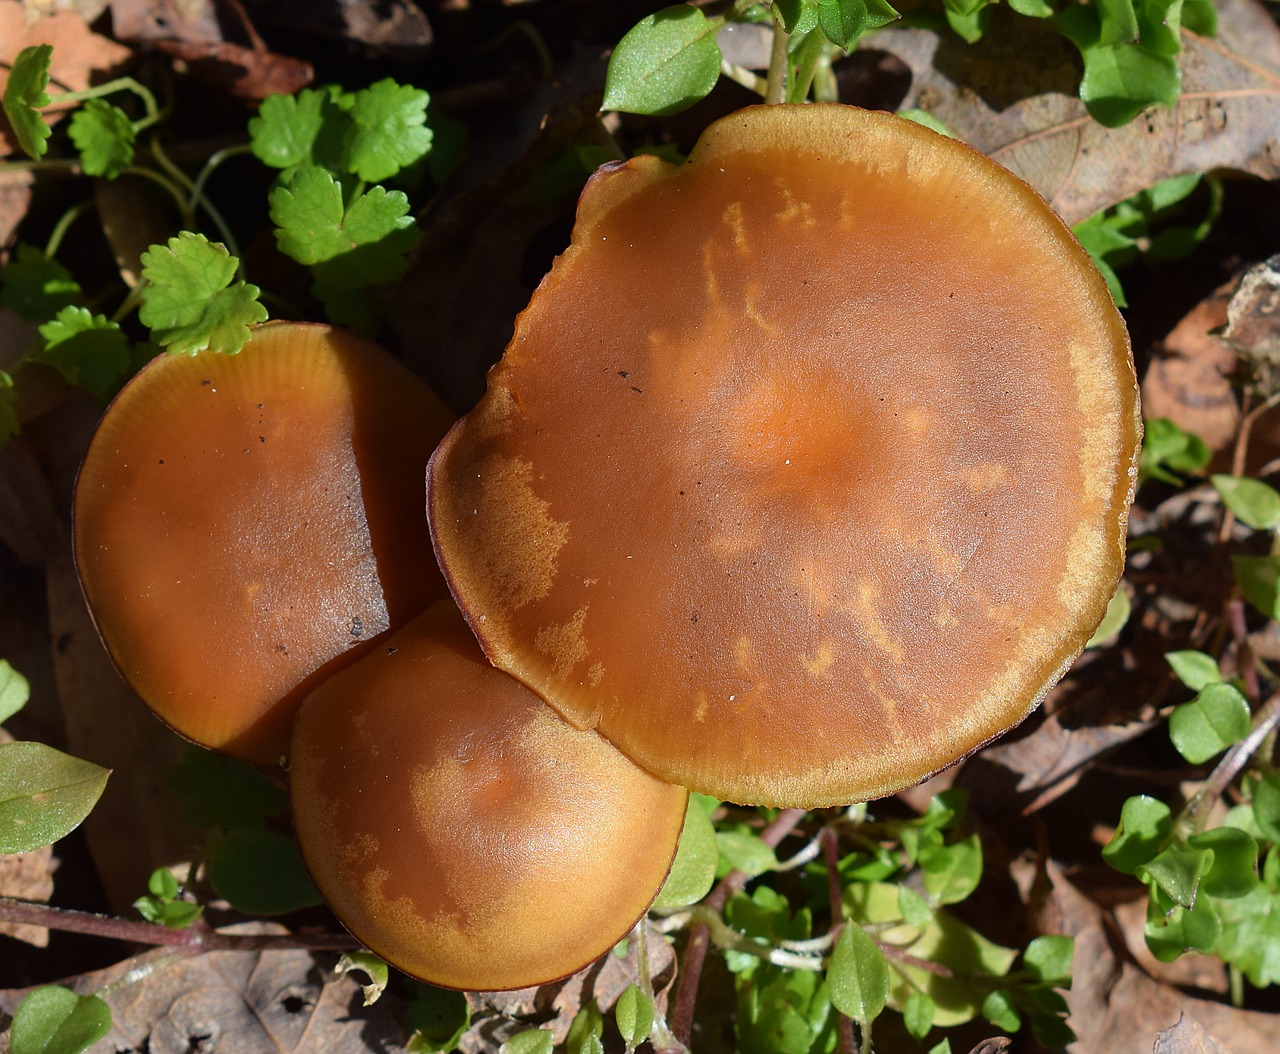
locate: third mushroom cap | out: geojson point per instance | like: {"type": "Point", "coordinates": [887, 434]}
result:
{"type": "Point", "coordinates": [807, 469]}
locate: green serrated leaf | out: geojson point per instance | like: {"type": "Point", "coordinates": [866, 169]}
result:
{"type": "Point", "coordinates": [1048, 959]}
{"type": "Point", "coordinates": [260, 872]}
{"type": "Point", "coordinates": [349, 246]}
{"type": "Point", "coordinates": [44, 795]}
{"type": "Point", "coordinates": [24, 95]}
{"type": "Point", "coordinates": [303, 129]}
{"type": "Point", "coordinates": [1145, 825]}
{"type": "Point", "coordinates": [665, 64]}
{"type": "Point", "coordinates": [858, 975]}
{"type": "Point", "coordinates": [190, 302]}
{"type": "Point", "coordinates": [54, 1020]}
{"type": "Point", "coordinates": [87, 349]}
{"type": "Point", "coordinates": [694, 869]}
{"type": "Point", "coordinates": [437, 1017]}
{"type": "Point", "coordinates": [634, 1015]}
{"type": "Point", "coordinates": [1194, 669]}
{"type": "Point", "coordinates": [1211, 722]}
{"type": "Point", "coordinates": [1254, 503]}
{"type": "Point", "coordinates": [14, 691]}
{"type": "Point", "coordinates": [36, 285]}
{"type": "Point", "coordinates": [104, 135]}
{"type": "Point", "coordinates": [388, 130]}
{"type": "Point", "coordinates": [372, 967]}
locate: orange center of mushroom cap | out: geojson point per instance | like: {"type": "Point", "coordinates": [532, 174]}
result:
{"type": "Point", "coordinates": [245, 523]}
{"type": "Point", "coordinates": [807, 469]}
{"type": "Point", "coordinates": [460, 828]}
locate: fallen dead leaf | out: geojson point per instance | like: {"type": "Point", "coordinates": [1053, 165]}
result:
{"type": "Point", "coordinates": [263, 1002]}
{"type": "Point", "coordinates": [1019, 104]}
{"type": "Point", "coordinates": [195, 21]}
{"type": "Point", "coordinates": [1187, 1037]}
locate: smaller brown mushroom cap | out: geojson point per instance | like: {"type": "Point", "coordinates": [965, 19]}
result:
{"type": "Point", "coordinates": [246, 523]}
{"type": "Point", "coordinates": [460, 828]}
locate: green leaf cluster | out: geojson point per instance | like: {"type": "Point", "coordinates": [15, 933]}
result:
{"type": "Point", "coordinates": [1169, 453]}
{"type": "Point", "coordinates": [328, 145]}
{"type": "Point", "coordinates": [1154, 224]}
{"type": "Point", "coordinates": [164, 903]}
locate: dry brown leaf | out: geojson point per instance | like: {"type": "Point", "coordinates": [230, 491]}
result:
{"type": "Point", "coordinates": [148, 20]}
{"type": "Point", "coordinates": [80, 56]}
{"type": "Point", "coordinates": [1013, 95]}
{"type": "Point", "coordinates": [265, 1002]}
{"type": "Point", "coordinates": [1187, 1037]}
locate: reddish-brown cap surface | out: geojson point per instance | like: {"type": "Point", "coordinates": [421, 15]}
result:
{"type": "Point", "coordinates": [807, 469]}
{"type": "Point", "coordinates": [245, 521]}
{"type": "Point", "coordinates": [460, 828]}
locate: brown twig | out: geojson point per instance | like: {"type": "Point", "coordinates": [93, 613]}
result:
{"type": "Point", "coordinates": [193, 938]}
{"type": "Point", "coordinates": [695, 952]}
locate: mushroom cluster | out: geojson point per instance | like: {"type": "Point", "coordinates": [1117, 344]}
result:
{"type": "Point", "coordinates": [805, 473]}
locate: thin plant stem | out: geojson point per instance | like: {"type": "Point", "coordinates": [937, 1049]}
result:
{"type": "Point", "coordinates": [807, 57]}
{"type": "Point", "coordinates": [63, 225]}
{"type": "Point", "coordinates": [749, 80]}
{"type": "Point", "coordinates": [695, 952]}
{"type": "Point", "coordinates": [216, 159]}
{"type": "Point", "coordinates": [1265, 721]}
{"type": "Point", "coordinates": [194, 938]}
{"type": "Point", "coordinates": [847, 1041]}
{"type": "Point", "coordinates": [776, 84]}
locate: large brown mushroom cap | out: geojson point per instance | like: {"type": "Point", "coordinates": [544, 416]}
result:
{"type": "Point", "coordinates": [460, 828]}
{"type": "Point", "coordinates": [807, 469]}
{"type": "Point", "coordinates": [245, 523]}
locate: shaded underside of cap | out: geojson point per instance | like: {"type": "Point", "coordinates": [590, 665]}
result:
{"type": "Point", "coordinates": [243, 522]}
{"type": "Point", "coordinates": [460, 828]}
{"type": "Point", "coordinates": [807, 469]}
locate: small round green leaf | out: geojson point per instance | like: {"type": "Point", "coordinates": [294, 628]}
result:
{"type": "Point", "coordinates": [918, 1014]}
{"type": "Point", "coordinates": [1195, 669]}
{"type": "Point", "coordinates": [858, 975]}
{"type": "Point", "coordinates": [1211, 722]}
{"type": "Point", "coordinates": [1253, 502]}
{"type": "Point", "coordinates": [694, 869]}
{"type": "Point", "coordinates": [1144, 825]}
{"type": "Point", "coordinates": [1048, 959]}
{"type": "Point", "coordinates": [531, 1041]}
{"type": "Point", "coordinates": [634, 1014]}
{"type": "Point", "coordinates": [44, 795]}
{"type": "Point", "coordinates": [55, 1020]}
{"type": "Point", "coordinates": [260, 872]}
{"type": "Point", "coordinates": [14, 691]}
{"type": "Point", "coordinates": [1177, 871]}
{"type": "Point", "coordinates": [438, 1017]}
{"type": "Point", "coordinates": [587, 1031]}
{"type": "Point", "coordinates": [952, 872]}
{"type": "Point", "coordinates": [743, 851]}
{"type": "Point", "coordinates": [998, 1008]}
{"type": "Point", "coordinates": [1234, 870]}
{"type": "Point", "coordinates": [665, 64]}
